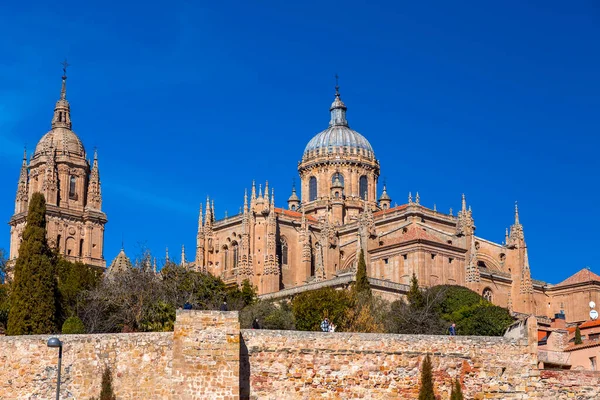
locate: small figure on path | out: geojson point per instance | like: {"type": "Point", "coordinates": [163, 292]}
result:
{"type": "Point", "coordinates": [452, 329]}
{"type": "Point", "coordinates": [255, 324]}
{"type": "Point", "coordinates": [224, 306]}
{"type": "Point", "coordinates": [325, 325]}
{"type": "Point", "coordinates": [332, 327]}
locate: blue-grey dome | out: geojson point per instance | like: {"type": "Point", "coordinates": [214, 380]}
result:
{"type": "Point", "coordinates": [338, 138]}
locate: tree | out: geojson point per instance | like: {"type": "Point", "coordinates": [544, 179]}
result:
{"type": "Point", "coordinates": [415, 296]}
{"type": "Point", "coordinates": [73, 325]}
{"type": "Point", "coordinates": [248, 293]}
{"type": "Point", "coordinates": [456, 393]}
{"type": "Point", "coordinates": [578, 336]}
{"type": "Point", "coordinates": [426, 390]}
{"type": "Point", "coordinates": [74, 278]}
{"type": "Point", "coordinates": [270, 315]}
{"type": "Point", "coordinates": [107, 390]}
{"type": "Point", "coordinates": [310, 308]}
{"type": "Point", "coordinates": [33, 294]}
{"type": "Point", "coordinates": [2, 266]}
{"type": "Point", "coordinates": [362, 285]}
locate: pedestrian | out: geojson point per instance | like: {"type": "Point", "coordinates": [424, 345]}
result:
{"type": "Point", "coordinates": [452, 329]}
{"type": "Point", "coordinates": [224, 306]}
{"type": "Point", "coordinates": [325, 325]}
{"type": "Point", "coordinates": [332, 327]}
{"type": "Point", "coordinates": [255, 324]}
{"type": "Point", "coordinates": [187, 306]}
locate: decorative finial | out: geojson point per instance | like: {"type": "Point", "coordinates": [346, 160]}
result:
{"type": "Point", "coordinates": [260, 190]}
{"type": "Point", "coordinates": [200, 218]}
{"type": "Point", "coordinates": [167, 255]}
{"type": "Point", "coordinates": [273, 197]}
{"type": "Point", "coordinates": [516, 213]}
{"type": "Point", "coordinates": [245, 199]}
{"type": "Point", "coordinates": [226, 216]}
{"type": "Point", "coordinates": [434, 207]}
{"type": "Point", "coordinates": [63, 91]}
{"type": "Point", "coordinates": [337, 86]}
{"type": "Point", "coordinates": [418, 198]}
{"type": "Point", "coordinates": [409, 198]}
{"type": "Point", "coordinates": [464, 202]}
{"type": "Point", "coordinates": [450, 210]}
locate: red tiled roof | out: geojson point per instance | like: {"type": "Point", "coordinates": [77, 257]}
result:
{"type": "Point", "coordinates": [585, 275]}
{"type": "Point", "coordinates": [584, 345]}
{"type": "Point", "coordinates": [294, 214]}
{"type": "Point", "coordinates": [589, 324]}
{"type": "Point", "coordinates": [389, 210]}
{"type": "Point", "coordinates": [414, 232]}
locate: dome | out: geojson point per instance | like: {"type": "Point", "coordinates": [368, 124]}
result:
{"type": "Point", "coordinates": [64, 141]}
{"type": "Point", "coordinates": [338, 138]}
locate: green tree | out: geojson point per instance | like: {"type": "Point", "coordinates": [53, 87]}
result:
{"type": "Point", "coordinates": [362, 286]}
{"type": "Point", "coordinates": [270, 315]}
{"type": "Point", "coordinates": [415, 296]}
{"type": "Point", "coordinates": [482, 319]}
{"type": "Point", "coordinates": [74, 278]}
{"type": "Point", "coordinates": [107, 392]}
{"type": "Point", "coordinates": [248, 293]}
{"type": "Point", "coordinates": [33, 294]}
{"type": "Point", "coordinates": [426, 390]}
{"type": "Point", "coordinates": [578, 336]}
{"type": "Point", "coordinates": [310, 308]}
{"type": "Point", "coordinates": [73, 325]}
{"type": "Point", "coordinates": [456, 393]}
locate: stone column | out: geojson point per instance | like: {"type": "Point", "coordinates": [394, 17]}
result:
{"type": "Point", "coordinates": [206, 355]}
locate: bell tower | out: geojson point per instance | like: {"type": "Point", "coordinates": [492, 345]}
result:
{"type": "Point", "coordinates": [60, 170]}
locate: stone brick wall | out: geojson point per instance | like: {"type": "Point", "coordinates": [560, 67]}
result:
{"type": "Point", "coordinates": [208, 357]}
{"type": "Point", "coordinates": [298, 365]}
{"type": "Point", "coordinates": [141, 364]}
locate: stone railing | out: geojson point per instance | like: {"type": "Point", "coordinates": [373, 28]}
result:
{"type": "Point", "coordinates": [554, 357]}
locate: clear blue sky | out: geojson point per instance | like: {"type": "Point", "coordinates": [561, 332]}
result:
{"type": "Point", "coordinates": [185, 99]}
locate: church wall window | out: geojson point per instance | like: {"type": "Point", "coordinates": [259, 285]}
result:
{"type": "Point", "coordinates": [340, 176]}
{"type": "Point", "coordinates": [312, 188]}
{"type": "Point", "coordinates": [72, 181]}
{"type": "Point", "coordinates": [58, 243]}
{"type": "Point", "coordinates": [363, 187]}
{"type": "Point", "coordinates": [225, 258]}
{"type": "Point", "coordinates": [80, 247]}
{"type": "Point", "coordinates": [487, 294]}
{"type": "Point", "coordinates": [235, 256]}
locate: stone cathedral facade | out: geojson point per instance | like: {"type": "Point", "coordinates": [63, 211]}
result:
{"type": "Point", "coordinates": [315, 242]}
{"type": "Point", "coordinates": [59, 169]}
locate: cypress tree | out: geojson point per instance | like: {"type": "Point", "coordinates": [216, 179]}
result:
{"type": "Point", "coordinates": [362, 282]}
{"type": "Point", "coordinates": [456, 393]}
{"type": "Point", "coordinates": [426, 390]}
{"type": "Point", "coordinates": [107, 389]}
{"type": "Point", "coordinates": [33, 294]}
{"type": "Point", "coordinates": [414, 296]}
{"type": "Point", "coordinates": [578, 336]}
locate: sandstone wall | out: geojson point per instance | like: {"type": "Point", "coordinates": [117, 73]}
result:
{"type": "Point", "coordinates": [141, 365]}
{"type": "Point", "coordinates": [208, 357]}
{"type": "Point", "coordinates": [303, 365]}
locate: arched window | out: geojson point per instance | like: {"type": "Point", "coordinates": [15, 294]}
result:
{"type": "Point", "coordinates": [363, 187]}
{"type": "Point", "coordinates": [312, 189]}
{"type": "Point", "coordinates": [235, 256]}
{"type": "Point", "coordinates": [72, 187]}
{"type": "Point", "coordinates": [283, 251]}
{"type": "Point", "coordinates": [487, 294]}
{"type": "Point", "coordinates": [225, 258]}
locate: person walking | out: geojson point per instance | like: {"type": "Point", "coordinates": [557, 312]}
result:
{"type": "Point", "coordinates": [224, 306]}
{"type": "Point", "coordinates": [325, 325]}
{"type": "Point", "coordinates": [452, 329]}
{"type": "Point", "coordinates": [255, 324]}
{"type": "Point", "coordinates": [332, 327]}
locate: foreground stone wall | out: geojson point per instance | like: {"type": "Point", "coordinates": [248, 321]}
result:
{"type": "Point", "coordinates": [141, 364]}
{"type": "Point", "coordinates": [297, 365]}
{"type": "Point", "coordinates": [208, 357]}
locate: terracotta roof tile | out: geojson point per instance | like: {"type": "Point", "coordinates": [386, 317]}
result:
{"type": "Point", "coordinates": [414, 232]}
{"type": "Point", "coordinates": [589, 324]}
{"type": "Point", "coordinates": [585, 275]}
{"type": "Point", "coordinates": [584, 345]}
{"type": "Point", "coordinates": [294, 214]}
{"type": "Point", "coordinates": [389, 210]}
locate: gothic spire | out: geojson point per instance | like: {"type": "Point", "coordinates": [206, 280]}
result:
{"type": "Point", "coordinates": [272, 197]}
{"type": "Point", "coordinates": [167, 255]}
{"type": "Point", "coordinates": [94, 197]}
{"type": "Point", "coordinates": [464, 202]}
{"type": "Point", "coordinates": [208, 217]}
{"type": "Point", "coordinates": [200, 219]}
{"type": "Point", "coordinates": [22, 187]}
{"type": "Point", "coordinates": [253, 193]}
{"type": "Point", "coordinates": [62, 110]}
{"type": "Point", "coordinates": [245, 201]}
{"type": "Point", "coordinates": [183, 255]}
{"type": "Point", "coordinates": [267, 192]}
{"type": "Point", "coordinates": [516, 213]}
{"type": "Point", "coordinates": [212, 210]}
{"type": "Point", "coordinates": [338, 108]}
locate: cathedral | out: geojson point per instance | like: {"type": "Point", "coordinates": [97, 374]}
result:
{"type": "Point", "coordinates": [316, 240]}
{"type": "Point", "coordinates": [60, 170]}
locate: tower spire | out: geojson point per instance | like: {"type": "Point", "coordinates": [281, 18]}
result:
{"type": "Point", "coordinates": [62, 110]}
{"type": "Point", "coordinates": [245, 200]}
{"type": "Point", "coordinates": [338, 108]}
{"type": "Point", "coordinates": [94, 197]}
{"type": "Point", "coordinates": [200, 219]}
{"type": "Point", "coordinates": [516, 213]}
{"type": "Point", "coordinates": [464, 202]}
